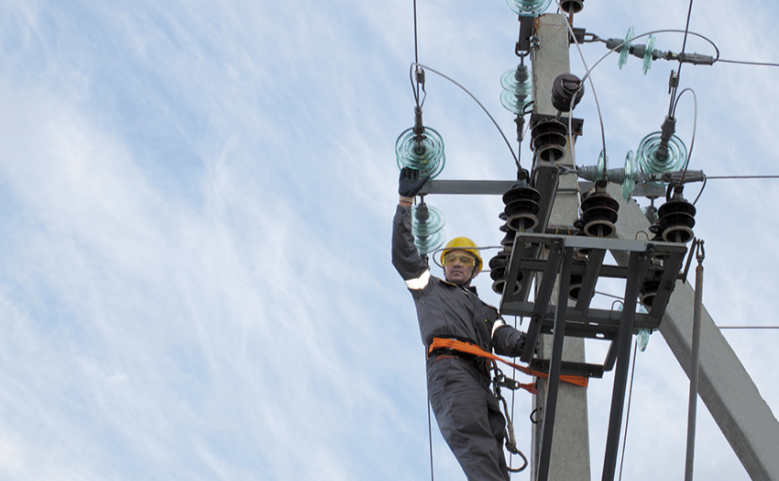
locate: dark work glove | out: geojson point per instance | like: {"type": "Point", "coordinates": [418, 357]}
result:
{"type": "Point", "coordinates": [520, 343]}
{"type": "Point", "coordinates": [410, 183]}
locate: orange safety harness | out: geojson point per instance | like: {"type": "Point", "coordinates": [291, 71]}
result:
{"type": "Point", "coordinates": [468, 348]}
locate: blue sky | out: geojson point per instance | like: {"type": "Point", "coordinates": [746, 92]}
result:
{"type": "Point", "coordinates": [195, 207]}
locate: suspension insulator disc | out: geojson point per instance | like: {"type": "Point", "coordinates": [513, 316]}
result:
{"type": "Point", "coordinates": [603, 165]}
{"type": "Point", "coordinates": [549, 140]}
{"type": "Point", "coordinates": [624, 50]}
{"type": "Point", "coordinates": [651, 162]}
{"type": "Point", "coordinates": [517, 92]}
{"type": "Point", "coordinates": [629, 183]}
{"type": "Point", "coordinates": [528, 8]}
{"type": "Point", "coordinates": [650, 47]}
{"type": "Point", "coordinates": [426, 220]}
{"type": "Point", "coordinates": [428, 157]}
{"type": "Point", "coordinates": [428, 244]}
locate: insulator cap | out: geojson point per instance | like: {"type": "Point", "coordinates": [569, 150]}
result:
{"type": "Point", "coordinates": [567, 92]}
{"type": "Point", "coordinates": [571, 6]}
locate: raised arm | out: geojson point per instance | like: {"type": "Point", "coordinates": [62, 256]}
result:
{"type": "Point", "coordinates": [405, 256]}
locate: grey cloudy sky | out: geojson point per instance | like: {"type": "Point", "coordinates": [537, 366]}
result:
{"type": "Point", "coordinates": [195, 217]}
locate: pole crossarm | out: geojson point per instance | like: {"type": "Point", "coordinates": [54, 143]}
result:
{"type": "Point", "coordinates": [576, 257]}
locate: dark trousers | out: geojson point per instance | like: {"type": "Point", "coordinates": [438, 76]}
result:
{"type": "Point", "coordinates": [469, 417]}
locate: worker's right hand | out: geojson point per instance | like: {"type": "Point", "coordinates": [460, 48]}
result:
{"type": "Point", "coordinates": [410, 183]}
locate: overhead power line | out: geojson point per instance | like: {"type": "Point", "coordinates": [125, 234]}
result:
{"type": "Point", "coordinates": [719, 177]}
{"type": "Point", "coordinates": [743, 62]}
{"type": "Point", "coordinates": [748, 327]}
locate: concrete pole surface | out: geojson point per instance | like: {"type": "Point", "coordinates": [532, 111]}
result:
{"type": "Point", "coordinates": [570, 456]}
{"type": "Point", "coordinates": [724, 385]}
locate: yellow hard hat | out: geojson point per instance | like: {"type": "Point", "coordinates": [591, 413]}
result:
{"type": "Point", "coordinates": [462, 244]}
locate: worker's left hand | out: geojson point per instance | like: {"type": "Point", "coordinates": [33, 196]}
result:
{"type": "Point", "coordinates": [410, 183]}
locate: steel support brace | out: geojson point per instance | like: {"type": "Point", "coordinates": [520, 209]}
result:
{"type": "Point", "coordinates": [543, 296]}
{"type": "Point", "coordinates": [639, 262]}
{"type": "Point", "coordinates": [558, 340]}
{"type": "Point", "coordinates": [589, 280]}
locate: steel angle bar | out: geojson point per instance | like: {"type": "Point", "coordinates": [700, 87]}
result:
{"type": "Point", "coordinates": [594, 263]}
{"type": "Point", "coordinates": [639, 263]}
{"type": "Point", "coordinates": [611, 357]}
{"type": "Point", "coordinates": [467, 187]}
{"type": "Point", "coordinates": [553, 381]}
{"type": "Point", "coordinates": [637, 271]}
{"type": "Point", "coordinates": [513, 270]}
{"type": "Point", "coordinates": [606, 270]}
{"type": "Point", "coordinates": [590, 331]}
{"type": "Point", "coordinates": [543, 296]}
{"type": "Point", "coordinates": [519, 308]}
{"type": "Point", "coordinates": [596, 317]}
{"type": "Point", "coordinates": [544, 179]}
{"type": "Point", "coordinates": [568, 368]}
{"type": "Point", "coordinates": [641, 189]}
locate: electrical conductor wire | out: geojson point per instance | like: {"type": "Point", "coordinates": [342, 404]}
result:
{"type": "Point", "coordinates": [747, 327]}
{"type": "Point", "coordinates": [736, 177]}
{"type": "Point", "coordinates": [744, 62]}
{"type": "Point", "coordinates": [416, 98]}
{"type": "Point", "coordinates": [594, 95]}
{"type": "Point", "coordinates": [416, 51]}
{"type": "Point", "coordinates": [705, 179]}
{"type": "Point", "coordinates": [516, 160]}
{"type": "Point", "coordinates": [694, 128]}
{"type": "Point", "coordinates": [672, 106]}
{"type": "Point", "coordinates": [731, 177]}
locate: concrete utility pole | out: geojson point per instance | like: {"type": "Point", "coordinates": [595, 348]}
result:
{"type": "Point", "coordinates": [570, 457]}
{"type": "Point", "coordinates": [725, 386]}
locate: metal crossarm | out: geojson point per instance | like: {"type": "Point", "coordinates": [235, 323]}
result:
{"type": "Point", "coordinates": [584, 256]}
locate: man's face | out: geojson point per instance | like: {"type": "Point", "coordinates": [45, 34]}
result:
{"type": "Point", "coordinates": [458, 269]}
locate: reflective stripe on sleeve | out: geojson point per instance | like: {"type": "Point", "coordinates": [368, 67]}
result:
{"type": "Point", "coordinates": [498, 324]}
{"type": "Point", "coordinates": [420, 282]}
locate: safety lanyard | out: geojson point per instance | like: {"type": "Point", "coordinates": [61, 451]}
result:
{"type": "Point", "coordinates": [469, 348]}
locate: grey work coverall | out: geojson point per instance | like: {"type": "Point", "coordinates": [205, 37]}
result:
{"type": "Point", "coordinates": [467, 412]}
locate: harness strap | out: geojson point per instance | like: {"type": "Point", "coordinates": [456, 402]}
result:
{"type": "Point", "coordinates": [469, 348]}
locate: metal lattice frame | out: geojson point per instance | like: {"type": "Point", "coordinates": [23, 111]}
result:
{"type": "Point", "coordinates": [582, 320]}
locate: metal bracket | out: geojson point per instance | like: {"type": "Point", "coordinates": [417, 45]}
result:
{"type": "Point", "coordinates": [581, 319]}
{"type": "Point", "coordinates": [526, 30]}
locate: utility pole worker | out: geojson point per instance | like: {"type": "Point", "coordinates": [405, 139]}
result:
{"type": "Point", "coordinates": [458, 384]}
